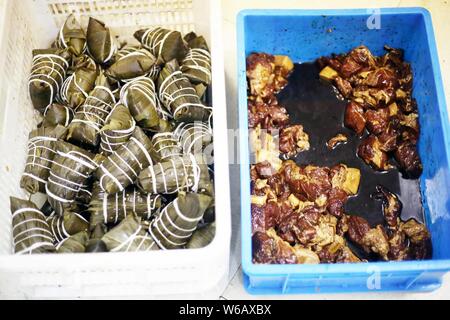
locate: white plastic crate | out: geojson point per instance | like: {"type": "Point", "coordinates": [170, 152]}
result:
{"type": "Point", "coordinates": [29, 24]}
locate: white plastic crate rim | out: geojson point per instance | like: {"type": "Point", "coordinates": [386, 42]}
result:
{"type": "Point", "coordinates": [26, 25]}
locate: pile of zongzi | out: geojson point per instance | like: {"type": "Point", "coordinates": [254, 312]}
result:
{"type": "Point", "coordinates": [120, 151]}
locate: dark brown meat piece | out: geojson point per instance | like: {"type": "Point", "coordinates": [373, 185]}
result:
{"type": "Point", "coordinates": [260, 74]}
{"type": "Point", "coordinates": [336, 201]}
{"type": "Point", "coordinates": [294, 228]}
{"type": "Point", "coordinates": [315, 182]}
{"type": "Point", "coordinates": [358, 227]}
{"type": "Point", "coordinates": [336, 140]}
{"type": "Point", "coordinates": [370, 151]}
{"type": "Point", "coordinates": [381, 78]}
{"type": "Point", "coordinates": [354, 117]}
{"type": "Point", "coordinates": [408, 159]}
{"type": "Point", "coordinates": [264, 169]}
{"type": "Point", "coordinates": [269, 114]}
{"type": "Point", "coordinates": [344, 86]}
{"type": "Point", "coordinates": [293, 140]}
{"type": "Point", "coordinates": [349, 67]}
{"type": "Point", "coordinates": [415, 231]}
{"type": "Point", "coordinates": [269, 250]}
{"type": "Point", "coordinates": [279, 186]}
{"type": "Point", "coordinates": [398, 246]}
{"type": "Point", "coordinates": [392, 207]}
{"type": "Point", "coordinates": [363, 56]}
{"type": "Point", "coordinates": [389, 137]}
{"type": "Point", "coordinates": [377, 120]}
{"type": "Point", "coordinates": [264, 217]}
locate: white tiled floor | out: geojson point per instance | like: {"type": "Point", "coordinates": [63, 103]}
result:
{"type": "Point", "coordinates": [440, 10]}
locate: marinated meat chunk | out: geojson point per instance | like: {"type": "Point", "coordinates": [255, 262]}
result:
{"type": "Point", "coordinates": [349, 67]}
{"type": "Point", "coordinates": [345, 178]}
{"type": "Point", "coordinates": [398, 246]}
{"type": "Point", "coordinates": [389, 137]}
{"type": "Point", "coordinates": [363, 57]}
{"type": "Point", "coordinates": [344, 86]}
{"type": "Point", "coordinates": [336, 201]}
{"type": "Point", "coordinates": [411, 120]}
{"type": "Point", "coordinates": [370, 239]}
{"type": "Point", "coordinates": [354, 117]}
{"type": "Point", "coordinates": [337, 140]}
{"type": "Point", "coordinates": [358, 227]}
{"type": "Point", "coordinates": [408, 159]}
{"type": "Point", "coordinates": [315, 182]}
{"type": "Point", "coordinates": [267, 73]}
{"type": "Point", "coordinates": [269, 250]}
{"type": "Point", "coordinates": [381, 78]}
{"type": "Point", "coordinates": [264, 169]}
{"type": "Point", "coordinates": [372, 97]}
{"type": "Point", "coordinates": [293, 140]}
{"type": "Point", "coordinates": [268, 114]}
{"type": "Point", "coordinates": [370, 151]}
{"type": "Point", "coordinates": [337, 252]}
{"type": "Point", "coordinates": [392, 206]}
{"type": "Point", "coordinates": [376, 240]}
{"type": "Point", "coordinates": [264, 148]}
{"type": "Point", "coordinates": [377, 120]}
{"type": "Point", "coordinates": [260, 74]}
{"type": "Point", "coordinates": [415, 231]}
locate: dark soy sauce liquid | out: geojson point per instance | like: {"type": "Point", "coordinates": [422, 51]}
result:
{"type": "Point", "coordinates": [314, 104]}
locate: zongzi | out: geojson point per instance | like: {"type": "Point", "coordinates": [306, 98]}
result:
{"type": "Point", "coordinates": [100, 42]}
{"type": "Point", "coordinates": [117, 130]}
{"type": "Point", "coordinates": [202, 236]}
{"type": "Point", "coordinates": [56, 114]}
{"type": "Point", "coordinates": [131, 65]}
{"type": "Point", "coordinates": [41, 152]}
{"type": "Point", "coordinates": [73, 244]}
{"type": "Point", "coordinates": [113, 208]}
{"type": "Point", "coordinates": [77, 86]}
{"type": "Point", "coordinates": [141, 99]}
{"type": "Point", "coordinates": [197, 64]}
{"type": "Point", "coordinates": [69, 174]}
{"type": "Point", "coordinates": [90, 117]}
{"type": "Point", "coordinates": [194, 137]}
{"type": "Point", "coordinates": [31, 233]}
{"type": "Point", "coordinates": [164, 44]}
{"type": "Point", "coordinates": [48, 72]}
{"type": "Point", "coordinates": [71, 36]}
{"type": "Point", "coordinates": [175, 225]}
{"type": "Point", "coordinates": [122, 167]}
{"type": "Point", "coordinates": [95, 243]}
{"type": "Point", "coordinates": [129, 235]}
{"type": "Point", "coordinates": [179, 96]}
{"type": "Point", "coordinates": [174, 175]}
{"type": "Point", "coordinates": [165, 146]}
{"type": "Point", "coordinates": [67, 225]}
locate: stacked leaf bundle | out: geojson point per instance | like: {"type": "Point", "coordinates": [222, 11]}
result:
{"type": "Point", "coordinates": [120, 151]}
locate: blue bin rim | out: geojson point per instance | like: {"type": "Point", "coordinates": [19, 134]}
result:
{"type": "Point", "coordinates": [273, 270]}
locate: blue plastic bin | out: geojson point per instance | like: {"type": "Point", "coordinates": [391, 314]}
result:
{"type": "Point", "coordinates": [304, 35]}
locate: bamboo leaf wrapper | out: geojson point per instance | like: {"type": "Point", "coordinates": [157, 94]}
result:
{"type": "Point", "coordinates": [31, 233]}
